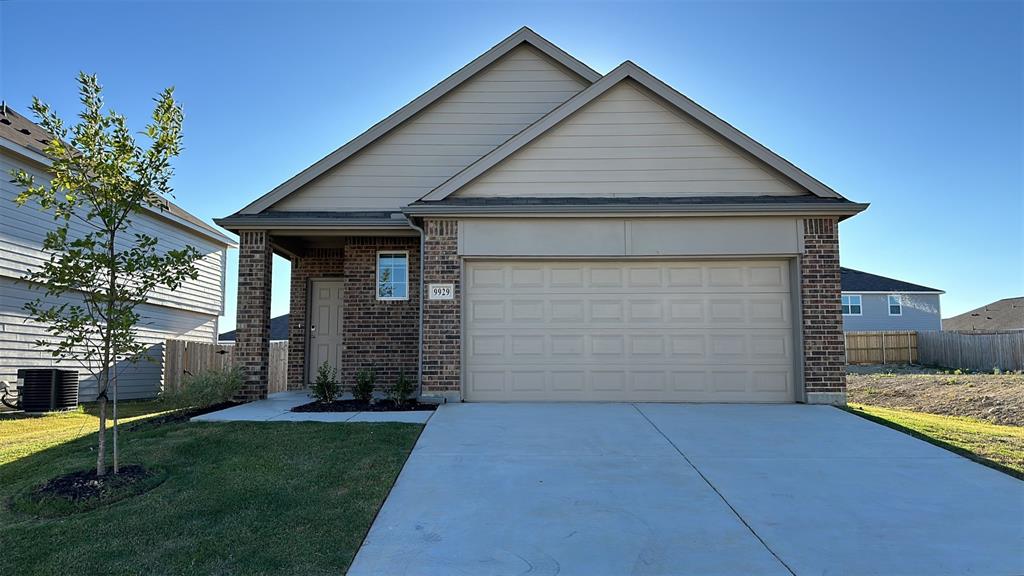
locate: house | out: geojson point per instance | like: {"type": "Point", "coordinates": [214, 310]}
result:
{"type": "Point", "coordinates": [278, 330]}
{"type": "Point", "coordinates": [873, 303]}
{"type": "Point", "coordinates": [190, 312]}
{"type": "Point", "coordinates": [531, 230]}
{"type": "Point", "coordinates": [1006, 315]}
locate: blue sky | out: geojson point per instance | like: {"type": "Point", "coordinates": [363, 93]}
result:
{"type": "Point", "coordinates": [915, 107]}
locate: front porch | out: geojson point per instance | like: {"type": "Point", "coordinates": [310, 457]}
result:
{"type": "Point", "coordinates": [354, 303]}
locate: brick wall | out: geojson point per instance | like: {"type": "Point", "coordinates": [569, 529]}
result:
{"type": "Point", "coordinates": [824, 351]}
{"type": "Point", "coordinates": [380, 334]}
{"type": "Point", "coordinates": [442, 319]}
{"type": "Point", "coordinates": [252, 326]}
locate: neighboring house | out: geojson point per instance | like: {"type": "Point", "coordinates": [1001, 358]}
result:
{"type": "Point", "coordinates": [873, 303]}
{"type": "Point", "coordinates": [278, 330]}
{"type": "Point", "coordinates": [189, 312]}
{"type": "Point", "coordinates": [1006, 315]}
{"type": "Point", "coordinates": [530, 230]}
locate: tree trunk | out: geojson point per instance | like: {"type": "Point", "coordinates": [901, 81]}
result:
{"type": "Point", "coordinates": [116, 466]}
{"type": "Point", "coordinates": [101, 450]}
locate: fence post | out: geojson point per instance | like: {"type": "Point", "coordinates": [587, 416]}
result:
{"type": "Point", "coordinates": [883, 347]}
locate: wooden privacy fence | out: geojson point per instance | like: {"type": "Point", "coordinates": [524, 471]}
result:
{"type": "Point", "coordinates": [1004, 351]}
{"type": "Point", "coordinates": [881, 348]}
{"type": "Point", "coordinates": [184, 357]}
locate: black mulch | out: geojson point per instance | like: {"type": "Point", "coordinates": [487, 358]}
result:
{"type": "Point", "coordinates": [86, 485]}
{"type": "Point", "coordinates": [360, 406]}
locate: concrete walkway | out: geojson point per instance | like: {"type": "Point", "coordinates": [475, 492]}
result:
{"type": "Point", "coordinates": [615, 489]}
{"type": "Point", "coordinates": [277, 408]}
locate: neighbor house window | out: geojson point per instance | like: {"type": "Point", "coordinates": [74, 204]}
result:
{"type": "Point", "coordinates": [895, 305]}
{"type": "Point", "coordinates": [851, 305]}
{"type": "Point", "coordinates": [392, 275]}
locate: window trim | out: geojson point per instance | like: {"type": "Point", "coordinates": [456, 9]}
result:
{"type": "Point", "coordinates": [859, 304]}
{"type": "Point", "coordinates": [376, 276]}
{"type": "Point", "coordinates": [889, 304]}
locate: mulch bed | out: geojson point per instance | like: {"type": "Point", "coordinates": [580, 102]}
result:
{"type": "Point", "coordinates": [86, 485]}
{"type": "Point", "coordinates": [360, 406]}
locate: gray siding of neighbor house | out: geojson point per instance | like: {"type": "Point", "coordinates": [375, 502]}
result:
{"type": "Point", "coordinates": [920, 312]}
{"type": "Point", "coordinates": [464, 125]}
{"type": "Point", "coordinates": [189, 312]}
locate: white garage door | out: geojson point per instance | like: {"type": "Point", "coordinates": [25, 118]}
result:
{"type": "Point", "coordinates": [689, 331]}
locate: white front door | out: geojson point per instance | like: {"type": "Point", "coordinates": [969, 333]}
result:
{"type": "Point", "coordinates": [325, 325]}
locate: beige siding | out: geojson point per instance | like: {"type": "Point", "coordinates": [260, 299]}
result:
{"type": "Point", "coordinates": [455, 131]}
{"type": "Point", "coordinates": [628, 143]}
{"type": "Point", "coordinates": [610, 237]}
{"type": "Point", "coordinates": [18, 335]}
{"type": "Point", "coordinates": [24, 229]}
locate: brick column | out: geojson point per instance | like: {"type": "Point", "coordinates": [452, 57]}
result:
{"type": "Point", "coordinates": [820, 291]}
{"type": "Point", "coordinates": [442, 319]}
{"type": "Point", "coordinates": [252, 326]}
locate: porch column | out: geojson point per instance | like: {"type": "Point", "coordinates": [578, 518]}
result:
{"type": "Point", "coordinates": [824, 347]}
{"type": "Point", "coordinates": [252, 325]}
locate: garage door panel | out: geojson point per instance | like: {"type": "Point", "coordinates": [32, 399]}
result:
{"type": "Point", "coordinates": [629, 331]}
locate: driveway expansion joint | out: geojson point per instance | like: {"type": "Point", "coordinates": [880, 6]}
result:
{"type": "Point", "coordinates": [713, 487]}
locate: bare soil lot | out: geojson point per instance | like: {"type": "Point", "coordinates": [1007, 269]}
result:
{"type": "Point", "coordinates": [996, 398]}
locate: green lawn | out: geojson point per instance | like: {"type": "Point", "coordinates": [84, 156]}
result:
{"type": "Point", "coordinates": [239, 498]}
{"type": "Point", "coordinates": [1001, 447]}
{"type": "Point", "coordinates": [21, 435]}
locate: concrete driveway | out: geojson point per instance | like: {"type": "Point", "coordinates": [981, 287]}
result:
{"type": "Point", "coordinates": [616, 489]}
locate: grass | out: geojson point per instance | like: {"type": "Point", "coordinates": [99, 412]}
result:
{"type": "Point", "coordinates": [23, 435]}
{"type": "Point", "coordinates": [1000, 447]}
{"type": "Point", "coordinates": [237, 498]}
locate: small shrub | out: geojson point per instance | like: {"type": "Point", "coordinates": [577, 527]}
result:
{"type": "Point", "coordinates": [365, 383]}
{"type": "Point", "coordinates": [205, 389]}
{"type": "Point", "coordinates": [325, 387]}
{"type": "Point", "coordinates": [401, 390]}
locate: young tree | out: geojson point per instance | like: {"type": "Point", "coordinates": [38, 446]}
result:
{"type": "Point", "coordinates": [97, 262]}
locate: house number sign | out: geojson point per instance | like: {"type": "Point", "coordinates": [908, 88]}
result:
{"type": "Point", "coordinates": [441, 291]}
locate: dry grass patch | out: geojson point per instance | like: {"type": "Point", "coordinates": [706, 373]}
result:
{"type": "Point", "coordinates": [994, 398]}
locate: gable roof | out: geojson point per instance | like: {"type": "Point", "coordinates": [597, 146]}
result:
{"type": "Point", "coordinates": [629, 70]}
{"type": "Point", "coordinates": [32, 139]}
{"type": "Point", "coordinates": [1005, 314]}
{"type": "Point", "coordinates": [857, 281]}
{"type": "Point", "coordinates": [523, 35]}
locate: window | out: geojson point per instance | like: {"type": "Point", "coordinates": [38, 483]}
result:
{"type": "Point", "coordinates": [895, 305]}
{"type": "Point", "coordinates": [851, 305]}
{"type": "Point", "coordinates": [392, 276]}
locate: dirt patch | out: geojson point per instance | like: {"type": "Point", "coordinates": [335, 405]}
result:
{"type": "Point", "coordinates": [360, 406]}
{"type": "Point", "coordinates": [86, 485]}
{"type": "Point", "coordinates": [996, 398]}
